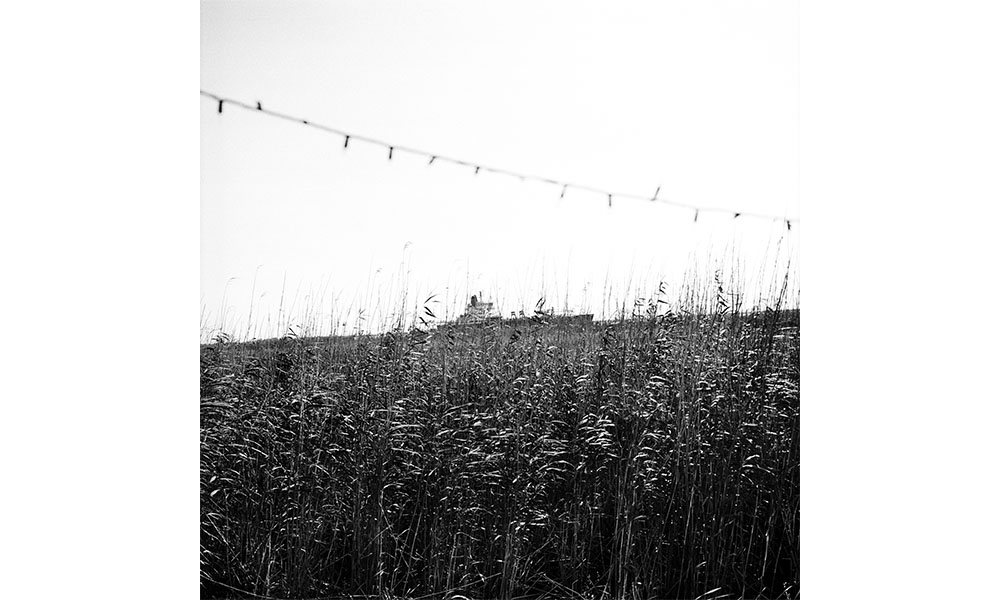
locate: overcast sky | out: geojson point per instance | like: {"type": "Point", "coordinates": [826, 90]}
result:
{"type": "Point", "coordinates": [698, 98]}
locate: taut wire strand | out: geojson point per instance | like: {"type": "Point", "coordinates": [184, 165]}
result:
{"type": "Point", "coordinates": [434, 156]}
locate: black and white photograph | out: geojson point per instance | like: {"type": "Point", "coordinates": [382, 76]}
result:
{"type": "Point", "coordinates": [472, 300]}
{"type": "Point", "coordinates": [499, 301]}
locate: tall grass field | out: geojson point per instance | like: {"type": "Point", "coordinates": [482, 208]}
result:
{"type": "Point", "coordinates": [653, 455]}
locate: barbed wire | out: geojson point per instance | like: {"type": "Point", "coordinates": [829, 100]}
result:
{"type": "Point", "coordinates": [394, 149]}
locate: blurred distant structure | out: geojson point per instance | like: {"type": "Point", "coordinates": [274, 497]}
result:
{"type": "Point", "coordinates": [478, 311]}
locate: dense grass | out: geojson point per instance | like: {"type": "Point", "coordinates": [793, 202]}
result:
{"type": "Point", "coordinates": [653, 457]}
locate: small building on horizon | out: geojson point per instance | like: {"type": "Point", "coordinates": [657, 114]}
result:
{"type": "Point", "coordinates": [478, 311]}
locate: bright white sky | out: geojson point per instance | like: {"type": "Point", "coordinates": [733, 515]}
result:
{"type": "Point", "coordinates": [699, 97]}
